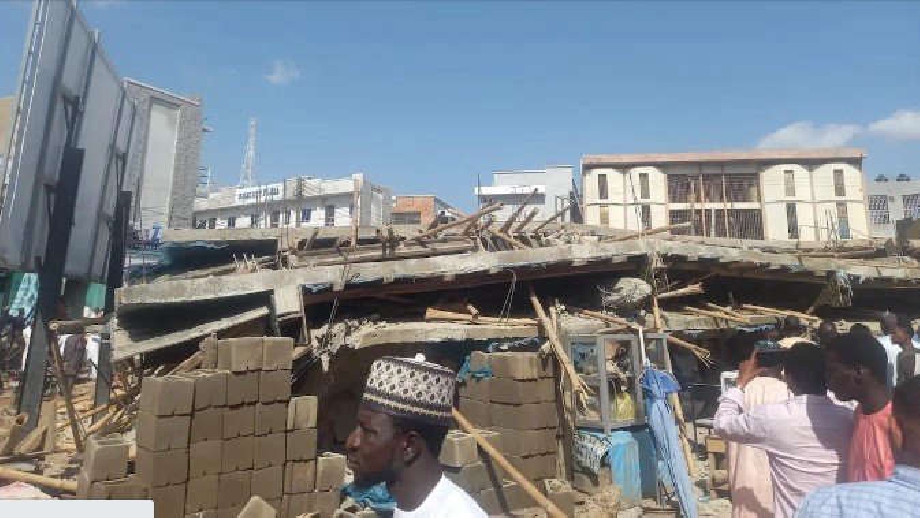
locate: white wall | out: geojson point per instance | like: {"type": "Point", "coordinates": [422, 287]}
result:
{"type": "Point", "coordinates": [159, 158]}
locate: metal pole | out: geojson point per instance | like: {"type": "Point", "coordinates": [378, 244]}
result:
{"type": "Point", "coordinates": [50, 278]}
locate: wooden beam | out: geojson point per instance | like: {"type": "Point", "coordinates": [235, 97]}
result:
{"type": "Point", "coordinates": [579, 387]}
{"type": "Point", "coordinates": [713, 314]}
{"type": "Point", "coordinates": [552, 218]}
{"type": "Point", "coordinates": [520, 226]}
{"type": "Point", "coordinates": [693, 289]}
{"type": "Point", "coordinates": [649, 232]}
{"type": "Point", "coordinates": [510, 240]}
{"type": "Point", "coordinates": [456, 223]}
{"type": "Point", "coordinates": [450, 316]}
{"type": "Point", "coordinates": [517, 213]}
{"type": "Point", "coordinates": [69, 486]}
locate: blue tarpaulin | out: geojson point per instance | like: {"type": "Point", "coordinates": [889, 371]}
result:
{"type": "Point", "coordinates": [656, 386]}
{"type": "Point", "coordinates": [620, 451]}
{"type": "Point", "coordinates": [376, 497]}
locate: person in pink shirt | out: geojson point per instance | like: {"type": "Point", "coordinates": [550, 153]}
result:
{"type": "Point", "coordinates": [857, 370]}
{"type": "Point", "coordinates": [805, 438]}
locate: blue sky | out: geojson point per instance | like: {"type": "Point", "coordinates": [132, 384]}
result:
{"type": "Point", "coordinates": [424, 97]}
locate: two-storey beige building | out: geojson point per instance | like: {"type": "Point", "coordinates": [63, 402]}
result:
{"type": "Point", "coordinates": [774, 194]}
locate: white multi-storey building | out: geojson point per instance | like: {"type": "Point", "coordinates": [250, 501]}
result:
{"type": "Point", "coordinates": [891, 201]}
{"type": "Point", "coordinates": [297, 202]}
{"type": "Point", "coordinates": [798, 194]}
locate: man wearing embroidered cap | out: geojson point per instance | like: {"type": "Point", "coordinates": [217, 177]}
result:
{"type": "Point", "coordinates": [404, 415]}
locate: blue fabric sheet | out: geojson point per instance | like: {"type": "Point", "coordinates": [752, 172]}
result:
{"type": "Point", "coordinates": [656, 386]}
{"type": "Point", "coordinates": [376, 497]}
{"type": "Point", "coordinates": [620, 451]}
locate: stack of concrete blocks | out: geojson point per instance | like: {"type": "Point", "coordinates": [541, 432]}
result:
{"type": "Point", "coordinates": [209, 404]}
{"type": "Point", "coordinates": [517, 407]}
{"type": "Point", "coordinates": [473, 470]}
{"type": "Point", "coordinates": [162, 436]}
{"type": "Point", "coordinates": [104, 473]}
{"type": "Point", "coordinates": [312, 483]}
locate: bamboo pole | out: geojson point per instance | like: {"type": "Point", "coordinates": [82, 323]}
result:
{"type": "Point", "coordinates": [713, 314]}
{"type": "Point", "coordinates": [579, 387]}
{"type": "Point", "coordinates": [520, 226]}
{"type": "Point", "coordinates": [552, 218]}
{"type": "Point", "coordinates": [508, 239]}
{"type": "Point", "coordinates": [494, 454]}
{"type": "Point", "coordinates": [780, 312]}
{"type": "Point", "coordinates": [91, 413]}
{"type": "Point", "coordinates": [65, 389]}
{"type": "Point", "coordinates": [475, 216]}
{"type": "Point", "coordinates": [39, 480]}
{"type": "Point", "coordinates": [649, 232]}
{"type": "Point", "coordinates": [724, 309]}
{"type": "Point", "coordinates": [517, 213]}
{"type": "Point", "coordinates": [450, 316]}
{"type": "Point", "coordinates": [693, 289]}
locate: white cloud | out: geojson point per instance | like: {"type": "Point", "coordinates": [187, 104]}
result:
{"type": "Point", "coordinates": [901, 125]}
{"type": "Point", "coordinates": [804, 134]}
{"type": "Point", "coordinates": [284, 71]}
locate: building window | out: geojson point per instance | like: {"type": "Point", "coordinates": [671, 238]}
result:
{"type": "Point", "coordinates": [843, 221]}
{"type": "Point", "coordinates": [646, 217]}
{"type": "Point", "coordinates": [789, 182]}
{"type": "Point", "coordinates": [911, 205]}
{"type": "Point", "coordinates": [254, 221]}
{"type": "Point", "coordinates": [305, 215]}
{"type": "Point", "coordinates": [212, 222]}
{"type": "Point", "coordinates": [407, 218]}
{"type": "Point", "coordinates": [643, 186]}
{"type": "Point", "coordinates": [602, 192]}
{"type": "Point", "coordinates": [878, 209]}
{"type": "Point", "coordinates": [792, 221]}
{"type": "Point", "coordinates": [330, 215]}
{"type": "Point", "coordinates": [605, 216]}
{"type": "Point", "coordinates": [231, 222]}
{"type": "Point", "coordinates": [287, 217]}
{"type": "Point", "coordinates": [201, 223]}
{"type": "Point", "coordinates": [839, 188]}
{"type": "Point", "coordinates": [274, 218]}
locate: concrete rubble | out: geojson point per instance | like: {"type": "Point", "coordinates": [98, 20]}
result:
{"type": "Point", "coordinates": [238, 368]}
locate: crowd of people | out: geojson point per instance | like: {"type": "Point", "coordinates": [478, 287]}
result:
{"type": "Point", "coordinates": [825, 427]}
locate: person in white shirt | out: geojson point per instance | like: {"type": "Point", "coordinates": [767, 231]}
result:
{"type": "Point", "coordinates": [890, 323]}
{"type": "Point", "coordinates": [402, 421]}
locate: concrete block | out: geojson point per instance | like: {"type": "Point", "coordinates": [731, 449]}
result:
{"type": "Point", "coordinates": [458, 449]}
{"type": "Point", "coordinates": [210, 388]}
{"type": "Point", "coordinates": [538, 467]}
{"type": "Point", "coordinates": [591, 483]}
{"type": "Point", "coordinates": [277, 353]}
{"type": "Point", "coordinates": [242, 388]}
{"type": "Point", "coordinates": [204, 458]}
{"type": "Point", "coordinates": [240, 354]}
{"type": "Point", "coordinates": [477, 389]}
{"type": "Point", "coordinates": [491, 500]}
{"type": "Point", "coordinates": [561, 494]}
{"type": "Point", "coordinates": [295, 505]}
{"type": "Point", "coordinates": [301, 445]}
{"type": "Point", "coordinates": [330, 472]}
{"type": "Point", "coordinates": [233, 489]}
{"type": "Point", "coordinates": [524, 417]}
{"type": "Point", "coordinates": [516, 365]}
{"type": "Point", "coordinates": [275, 503]}
{"type": "Point", "coordinates": [495, 437]}
{"type": "Point", "coordinates": [268, 482]}
{"type": "Point", "coordinates": [239, 421]}
{"type": "Point", "coordinates": [530, 442]}
{"type": "Point", "coordinates": [271, 418]}
{"type": "Point", "coordinates": [162, 433]}
{"type": "Point", "coordinates": [105, 458]}
{"type": "Point", "coordinates": [167, 395]}
{"type": "Point", "coordinates": [201, 494]}
{"type": "Point", "coordinates": [208, 348]}
{"type": "Point", "coordinates": [300, 477]}
{"type": "Point", "coordinates": [324, 502]}
{"type": "Point", "coordinates": [127, 488]}
{"type": "Point", "coordinates": [207, 424]}
{"type": "Point", "coordinates": [161, 468]}
{"type": "Point", "coordinates": [274, 386]}
{"type": "Point", "coordinates": [476, 412]}
{"type": "Point", "coordinates": [504, 390]}
{"type": "Point", "coordinates": [257, 508]}
{"type": "Point", "coordinates": [237, 454]}
{"type": "Point", "coordinates": [302, 411]}
{"type": "Point", "coordinates": [270, 450]}
{"type": "Point", "coordinates": [168, 501]}
{"type": "Point", "coordinates": [480, 361]}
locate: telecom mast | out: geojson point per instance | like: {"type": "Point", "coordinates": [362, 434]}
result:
{"type": "Point", "coordinates": [249, 156]}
